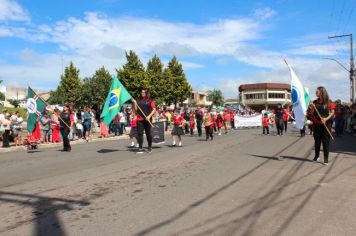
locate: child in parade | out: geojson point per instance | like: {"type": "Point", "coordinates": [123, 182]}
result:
{"type": "Point", "coordinates": [104, 129]}
{"type": "Point", "coordinates": [226, 119]}
{"type": "Point", "coordinates": [219, 123]}
{"type": "Point", "coordinates": [133, 131]}
{"type": "Point", "coordinates": [265, 124]}
{"type": "Point", "coordinates": [178, 124]}
{"type": "Point", "coordinates": [56, 138]}
{"type": "Point", "coordinates": [208, 123]}
{"type": "Point", "coordinates": [79, 128]}
{"type": "Point", "coordinates": [192, 123]}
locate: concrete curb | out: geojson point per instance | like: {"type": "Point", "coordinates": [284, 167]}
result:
{"type": "Point", "coordinates": [51, 145]}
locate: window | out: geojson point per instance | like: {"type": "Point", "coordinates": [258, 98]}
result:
{"type": "Point", "coordinates": [276, 95]}
{"type": "Point", "coordinates": [254, 96]}
{"type": "Point", "coordinates": [288, 96]}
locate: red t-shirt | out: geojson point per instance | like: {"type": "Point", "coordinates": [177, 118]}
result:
{"type": "Point", "coordinates": [153, 106]}
{"type": "Point", "coordinates": [315, 119]}
{"type": "Point", "coordinates": [285, 115]}
{"type": "Point", "coordinates": [226, 116]}
{"type": "Point", "coordinates": [177, 119]}
{"type": "Point", "coordinates": [265, 121]}
{"type": "Point", "coordinates": [232, 117]}
{"type": "Point", "coordinates": [71, 117]}
{"type": "Point", "coordinates": [134, 122]}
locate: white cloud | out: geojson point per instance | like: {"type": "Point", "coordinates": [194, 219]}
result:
{"type": "Point", "coordinates": [147, 35]}
{"type": "Point", "coordinates": [97, 40]}
{"type": "Point", "coordinates": [12, 11]}
{"type": "Point", "coordinates": [264, 13]}
{"type": "Point", "coordinates": [320, 50]}
{"type": "Point", "coordinates": [312, 73]}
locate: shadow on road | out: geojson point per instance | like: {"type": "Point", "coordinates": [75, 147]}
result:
{"type": "Point", "coordinates": [45, 211]}
{"type": "Point", "coordinates": [345, 144]}
{"type": "Point", "coordinates": [210, 196]}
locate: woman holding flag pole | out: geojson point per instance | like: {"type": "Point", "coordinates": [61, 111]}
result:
{"type": "Point", "coordinates": [321, 111]}
{"type": "Point", "coordinates": [145, 109]}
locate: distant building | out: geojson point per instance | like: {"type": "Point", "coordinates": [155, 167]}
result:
{"type": "Point", "coordinates": [265, 96]}
{"type": "Point", "coordinates": [198, 99]}
{"type": "Point", "coordinates": [232, 103]}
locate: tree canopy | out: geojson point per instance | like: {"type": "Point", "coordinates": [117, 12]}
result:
{"type": "Point", "coordinates": [216, 97]}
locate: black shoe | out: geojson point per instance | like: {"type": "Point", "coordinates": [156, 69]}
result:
{"type": "Point", "coordinates": [149, 150]}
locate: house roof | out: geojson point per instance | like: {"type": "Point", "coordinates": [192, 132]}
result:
{"type": "Point", "coordinates": [264, 86]}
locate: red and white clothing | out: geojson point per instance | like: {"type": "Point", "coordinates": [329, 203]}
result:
{"type": "Point", "coordinates": [177, 119]}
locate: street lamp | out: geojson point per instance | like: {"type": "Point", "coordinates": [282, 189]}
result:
{"type": "Point", "coordinates": [352, 77]}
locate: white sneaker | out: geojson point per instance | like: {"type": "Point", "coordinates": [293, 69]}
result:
{"type": "Point", "coordinates": [137, 146]}
{"type": "Point", "coordinates": [180, 144]}
{"type": "Point", "coordinates": [139, 151]}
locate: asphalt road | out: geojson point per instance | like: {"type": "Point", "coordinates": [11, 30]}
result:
{"type": "Point", "coordinates": [234, 185]}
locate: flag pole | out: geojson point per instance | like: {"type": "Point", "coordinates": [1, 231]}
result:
{"type": "Point", "coordinates": [327, 129]}
{"type": "Point", "coordinates": [48, 106]}
{"type": "Point", "coordinates": [142, 112]}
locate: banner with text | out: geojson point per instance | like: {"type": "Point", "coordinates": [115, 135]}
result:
{"type": "Point", "coordinates": [248, 121]}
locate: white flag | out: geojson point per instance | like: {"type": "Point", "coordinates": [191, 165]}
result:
{"type": "Point", "coordinates": [300, 99]}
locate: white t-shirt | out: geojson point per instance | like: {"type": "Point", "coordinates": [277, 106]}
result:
{"type": "Point", "coordinates": [123, 117]}
{"type": "Point", "coordinates": [2, 117]}
{"type": "Point", "coordinates": [79, 126]}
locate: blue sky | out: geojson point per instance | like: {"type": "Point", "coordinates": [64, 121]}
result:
{"type": "Point", "coordinates": [221, 44]}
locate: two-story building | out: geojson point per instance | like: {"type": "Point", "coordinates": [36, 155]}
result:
{"type": "Point", "coordinates": [265, 96]}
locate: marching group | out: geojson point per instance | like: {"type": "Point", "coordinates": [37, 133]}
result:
{"type": "Point", "coordinates": [69, 124]}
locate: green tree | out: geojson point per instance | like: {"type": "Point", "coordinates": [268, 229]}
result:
{"type": "Point", "coordinates": [178, 87]}
{"type": "Point", "coordinates": [216, 97]}
{"type": "Point", "coordinates": [133, 75]}
{"type": "Point", "coordinates": [96, 88]}
{"type": "Point", "coordinates": [14, 102]}
{"type": "Point", "coordinates": [2, 96]}
{"type": "Point", "coordinates": [69, 88]}
{"type": "Point", "coordinates": [156, 80]}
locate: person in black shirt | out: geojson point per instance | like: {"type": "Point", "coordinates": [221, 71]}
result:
{"type": "Point", "coordinates": [320, 124]}
{"type": "Point", "coordinates": [145, 109]}
{"type": "Point", "coordinates": [66, 123]}
{"type": "Point", "coordinates": [199, 118]}
{"type": "Point", "coordinates": [279, 119]}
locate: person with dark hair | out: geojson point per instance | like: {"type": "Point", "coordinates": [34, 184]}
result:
{"type": "Point", "coordinates": [145, 109]}
{"type": "Point", "coordinates": [325, 108]}
{"type": "Point", "coordinates": [199, 117]}
{"type": "Point", "coordinates": [279, 112]}
{"type": "Point", "coordinates": [208, 123]}
{"type": "Point", "coordinates": [178, 127]}
{"type": "Point", "coordinates": [340, 112]}
{"type": "Point", "coordinates": [66, 124]}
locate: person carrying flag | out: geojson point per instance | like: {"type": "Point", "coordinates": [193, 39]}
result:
{"type": "Point", "coordinates": [66, 124]}
{"type": "Point", "coordinates": [145, 109]}
{"type": "Point", "coordinates": [320, 112]}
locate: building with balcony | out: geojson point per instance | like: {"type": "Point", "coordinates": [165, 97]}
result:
{"type": "Point", "coordinates": [265, 96]}
{"type": "Point", "coordinates": [197, 99]}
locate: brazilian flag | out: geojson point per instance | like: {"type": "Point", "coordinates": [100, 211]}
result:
{"type": "Point", "coordinates": [117, 96]}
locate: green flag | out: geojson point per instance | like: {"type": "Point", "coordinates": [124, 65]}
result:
{"type": "Point", "coordinates": [35, 106]}
{"type": "Point", "coordinates": [117, 96]}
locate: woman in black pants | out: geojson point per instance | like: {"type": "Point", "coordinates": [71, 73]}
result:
{"type": "Point", "coordinates": [326, 110]}
{"type": "Point", "coordinates": [145, 109]}
{"type": "Point", "coordinates": [66, 123]}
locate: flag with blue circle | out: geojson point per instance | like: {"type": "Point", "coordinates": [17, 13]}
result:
{"type": "Point", "coordinates": [300, 100]}
{"type": "Point", "coordinates": [117, 96]}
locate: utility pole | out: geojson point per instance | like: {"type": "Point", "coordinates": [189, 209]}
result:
{"type": "Point", "coordinates": [352, 66]}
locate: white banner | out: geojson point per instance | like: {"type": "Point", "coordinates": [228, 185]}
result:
{"type": "Point", "coordinates": [248, 121]}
